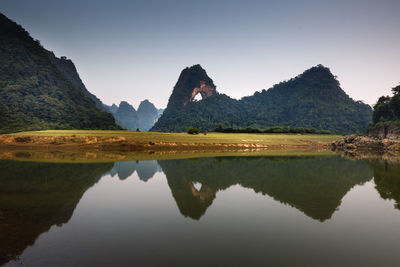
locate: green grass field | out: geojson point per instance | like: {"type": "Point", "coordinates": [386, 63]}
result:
{"type": "Point", "coordinates": [223, 138]}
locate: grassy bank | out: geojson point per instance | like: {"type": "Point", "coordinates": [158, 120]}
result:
{"type": "Point", "coordinates": [209, 138]}
{"type": "Point", "coordinates": [79, 145]}
{"type": "Point", "coordinates": [72, 146]}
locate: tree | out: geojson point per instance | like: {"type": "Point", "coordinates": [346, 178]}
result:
{"type": "Point", "coordinates": [396, 90]}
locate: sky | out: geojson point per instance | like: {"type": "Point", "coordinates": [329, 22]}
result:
{"type": "Point", "coordinates": [135, 50]}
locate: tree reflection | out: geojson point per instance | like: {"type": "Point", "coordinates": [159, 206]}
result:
{"type": "Point", "coordinates": [387, 178]}
{"type": "Point", "coordinates": [36, 196]}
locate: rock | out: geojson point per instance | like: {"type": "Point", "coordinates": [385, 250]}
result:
{"type": "Point", "coordinates": [353, 143]}
{"type": "Point", "coordinates": [390, 131]}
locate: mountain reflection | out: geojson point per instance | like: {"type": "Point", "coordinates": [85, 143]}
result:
{"type": "Point", "coordinates": [144, 169]}
{"type": "Point", "coordinates": [313, 185]}
{"type": "Point", "coordinates": [35, 196]}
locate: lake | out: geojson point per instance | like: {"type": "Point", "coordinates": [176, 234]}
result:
{"type": "Point", "coordinates": [219, 211]}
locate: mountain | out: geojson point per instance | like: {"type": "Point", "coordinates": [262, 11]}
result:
{"type": "Point", "coordinates": [130, 119]}
{"type": "Point", "coordinates": [126, 116]}
{"type": "Point", "coordinates": [313, 99]}
{"type": "Point", "coordinates": [148, 115]}
{"type": "Point", "coordinates": [39, 91]}
{"type": "Point", "coordinates": [69, 70]}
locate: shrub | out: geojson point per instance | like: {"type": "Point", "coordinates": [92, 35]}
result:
{"type": "Point", "coordinates": [193, 131]}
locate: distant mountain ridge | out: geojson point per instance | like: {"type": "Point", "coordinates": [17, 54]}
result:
{"type": "Point", "coordinates": [131, 119]}
{"type": "Point", "coordinates": [40, 91]}
{"type": "Point", "coordinates": [313, 99]}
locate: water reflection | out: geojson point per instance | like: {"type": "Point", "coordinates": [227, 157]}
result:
{"type": "Point", "coordinates": [387, 178]}
{"type": "Point", "coordinates": [144, 169]}
{"type": "Point", "coordinates": [314, 185]}
{"type": "Point", "coordinates": [36, 196]}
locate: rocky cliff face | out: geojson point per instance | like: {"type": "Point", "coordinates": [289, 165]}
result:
{"type": "Point", "coordinates": [390, 131]}
{"type": "Point", "coordinates": [192, 81]}
{"type": "Point", "coordinates": [355, 145]}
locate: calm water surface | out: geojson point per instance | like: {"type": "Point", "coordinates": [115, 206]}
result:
{"type": "Point", "coordinates": [234, 211]}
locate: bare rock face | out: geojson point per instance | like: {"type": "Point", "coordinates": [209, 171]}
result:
{"type": "Point", "coordinates": [192, 81]}
{"type": "Point", "coordinates": [391, 132]}
{"type": "Point", "coordinates": [361, 144]}
{"type": "Point", "coordinates": [204, 90]}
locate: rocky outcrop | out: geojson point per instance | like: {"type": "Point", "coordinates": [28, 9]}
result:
{"type": "Point", "coordinates": [390, 131]}
{"type": "Point", "coordinates": [204, 90]}
{"type": "Point", "coordinates": [192, 81]}
{"type": "Point", "coordinates": [362, 144]}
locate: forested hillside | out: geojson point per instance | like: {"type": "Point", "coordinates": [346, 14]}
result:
{"type": "Point", "coordinates": [35, 93]}
{"type": "Point", "coordinates": [387, 109]}
{"type": "Point", "coordinates": [313, 99]}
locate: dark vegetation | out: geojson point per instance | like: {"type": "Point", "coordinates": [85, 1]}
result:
{"type": "Point", "coordinates": [313, 185]}
{"type": "Point", "coordinates": [193, 131]}
{"type": "Point", "coordinates": [36, 90]}
{"type": "Point", "coordinates": [387, 109]}
{"type": "Point", "coordinates": [313, 99]}
{"type": "Point", "coordinates": [387, 178]}
{"type": "Point", "coordinates": [36, 196]}
{"type": "Point", "coordinates": [278, 129]}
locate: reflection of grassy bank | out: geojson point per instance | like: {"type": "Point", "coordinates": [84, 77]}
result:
{"type": "Point", "coordinates": [129, 140]}
{"type": "Point", "coordinates": [111, 156]}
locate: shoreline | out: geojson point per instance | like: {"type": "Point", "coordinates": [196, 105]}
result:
{"type": "Point", "coordinates": [144, 141]}
{"type": "Point", "coordinates": [72, 146]}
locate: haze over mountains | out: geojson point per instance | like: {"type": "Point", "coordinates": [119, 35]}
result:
{"type": "Point", "coordinates": [130, 119]}
{"type": "Point", "coordinates": [40, 91]}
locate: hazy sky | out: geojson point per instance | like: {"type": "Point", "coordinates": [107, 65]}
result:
{"type": "Point", "coordinates": [132, 50]}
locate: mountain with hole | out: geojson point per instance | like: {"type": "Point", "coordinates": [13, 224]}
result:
{"type": "Point", "coordinates": [313, 99]}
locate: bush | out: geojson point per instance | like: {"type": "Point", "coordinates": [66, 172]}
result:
{"type": "Point", "coordinates": [193, 131]}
